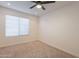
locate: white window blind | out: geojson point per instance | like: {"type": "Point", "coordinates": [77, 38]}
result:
{"type": "Point", "coordinates": [24, 26]}
{"type": "Point", "coordinates": [15, 26]}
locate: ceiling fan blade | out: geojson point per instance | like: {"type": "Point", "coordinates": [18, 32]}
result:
{"type": "Point", "coordinates": [43, 8]}
{"type": "Point", "coordinates": [36, 2]}
{"type": "Point", "coordinates": [47, 2]}
{"type": "Point", "coordinates": [32, 6]}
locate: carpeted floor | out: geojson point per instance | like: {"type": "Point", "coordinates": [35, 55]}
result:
{"type": "Point", "coordinates": [35, 49]}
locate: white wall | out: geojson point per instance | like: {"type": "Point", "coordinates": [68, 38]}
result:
{"type": "Point", "coordinates": [5, 41]}
{"type": "Point", "coordinates": [60, 29]}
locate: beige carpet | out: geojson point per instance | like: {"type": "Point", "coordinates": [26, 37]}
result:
{"type": "Point", "coordinates": [35, 49]}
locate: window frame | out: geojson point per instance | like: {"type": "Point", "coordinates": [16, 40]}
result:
{"type": "Point", "coordinates": [19, 20]}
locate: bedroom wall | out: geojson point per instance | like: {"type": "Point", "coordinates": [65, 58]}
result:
{"type": "Point", "coordinates": [60, 28]}
{"type": "Point", "coordinates": [5, 41]}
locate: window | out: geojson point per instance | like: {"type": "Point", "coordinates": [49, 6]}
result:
{"type": "Point", "coordinates": [24, 26]}
{"type": "Point", "coordinates": [15, 26]}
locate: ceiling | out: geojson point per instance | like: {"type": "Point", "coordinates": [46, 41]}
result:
{"type": "Point", "coordinates": [23, 6]}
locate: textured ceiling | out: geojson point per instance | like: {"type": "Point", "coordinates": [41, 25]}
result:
{"type": "Point", "coordinates": [23, 6]}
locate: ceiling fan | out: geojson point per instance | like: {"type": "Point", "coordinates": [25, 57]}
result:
{"type": "Point", "coordinates": [39, 4]}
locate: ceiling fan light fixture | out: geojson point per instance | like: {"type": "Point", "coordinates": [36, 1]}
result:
{"type": "Point", "coordinates": [8, 4]}
{"type": "Point", "coordinates": [38, 6]}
